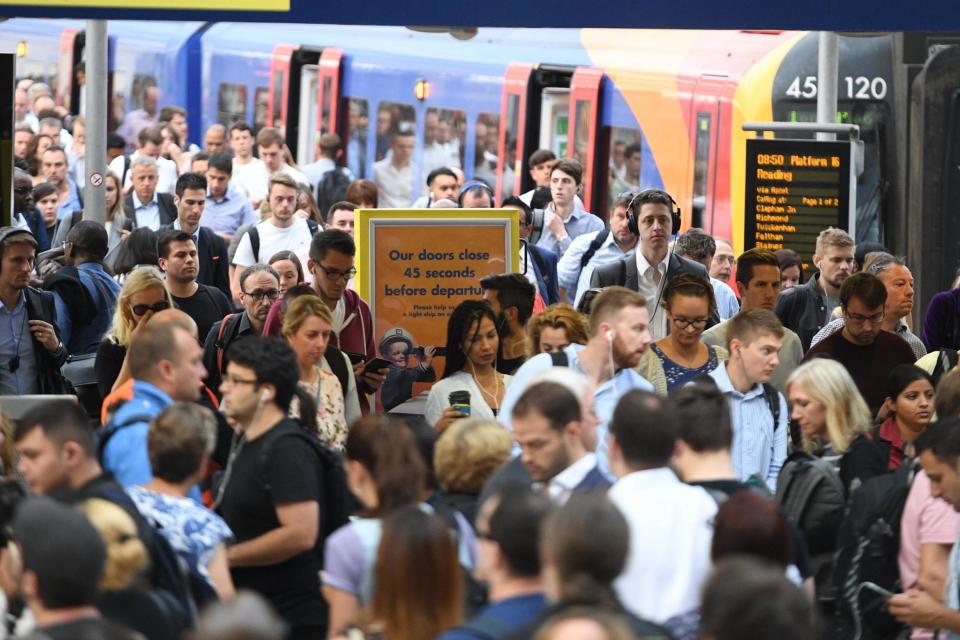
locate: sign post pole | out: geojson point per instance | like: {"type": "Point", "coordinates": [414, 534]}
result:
{"type": "Point", "coordinates": [828, 64]}
{"type": "Point", "coordinates": [95, 154]}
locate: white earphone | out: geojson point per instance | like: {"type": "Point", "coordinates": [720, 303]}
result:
{"type": "Point", "coordinates": [610, 336]}
{"type": "Point", "coordinates": [265, 396]}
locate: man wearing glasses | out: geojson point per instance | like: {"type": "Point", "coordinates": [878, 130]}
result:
{"type": "Point", "coordinates": [868, 352]}
{"type": "Point", "coordinates": [331, 264]}
{"type": "Point", "coordinates": [259, 289]}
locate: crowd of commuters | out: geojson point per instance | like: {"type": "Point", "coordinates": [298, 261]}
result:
{"type": "Point", "coordinates": [642, 435]}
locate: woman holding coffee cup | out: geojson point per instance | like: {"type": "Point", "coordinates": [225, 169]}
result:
{"type": "Point", "coordinates": [471, 385]}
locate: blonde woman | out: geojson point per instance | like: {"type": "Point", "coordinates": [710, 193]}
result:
{"type": "Point", "coordinates": [834, 419]}
{"type": "Point", "coordinates": [466, 455]}
{"type": "Point", "coordinates": [143, 294]}
{"type": "Point", "coordinates": [154, 614]}
{"type": "Point", "coordinates": [307, 326]}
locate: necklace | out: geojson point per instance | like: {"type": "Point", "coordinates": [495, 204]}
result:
{"type": "Point", "coordinates": [496, 388]}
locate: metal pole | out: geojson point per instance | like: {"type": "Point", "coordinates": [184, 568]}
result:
{"type": "Point", "coordinates": [828, 64]}
{"type": "Point", "coordinates": [96, 114]}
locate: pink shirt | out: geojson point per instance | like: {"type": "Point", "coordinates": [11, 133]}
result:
{"type": "Point", "coordinates": [926, 520]}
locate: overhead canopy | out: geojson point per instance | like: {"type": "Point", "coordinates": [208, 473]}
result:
{"type": "Point", "coordinates": [833, 15]}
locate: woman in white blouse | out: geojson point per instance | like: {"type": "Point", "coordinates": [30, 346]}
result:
{"type": "Point", "coordinates": [473, 345]}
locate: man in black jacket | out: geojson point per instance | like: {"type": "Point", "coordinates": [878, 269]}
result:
{"type": "Point", "coordinates": [212, 260]}
{"type": "Point", "coordinates": [652, 214]}
{"type": "Point", "coordinates": [807, 308]}
{"type": "Point", "coordinates": [144, 205]}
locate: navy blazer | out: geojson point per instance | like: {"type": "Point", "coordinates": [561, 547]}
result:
{"type": "Point", "coordinates": [544, 265]}
{"type": "Point", "coordinates": [165, 204]}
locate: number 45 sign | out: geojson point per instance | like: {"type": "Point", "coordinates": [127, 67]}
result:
{"type": "Point", "coordinates": [858, 88]}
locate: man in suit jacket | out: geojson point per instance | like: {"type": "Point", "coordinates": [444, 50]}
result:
{"type": "Point", "coordinates": [540, 262]}
{"type": "Point", "coordinates": [649, 268]}
{"type": "Point", "coordinates": [191, 196]}
{"type": "Point", "coordinates": [144, 205]}
{"type": "Point", "coordinates": [555, 426]}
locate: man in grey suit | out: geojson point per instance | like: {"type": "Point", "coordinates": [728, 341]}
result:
{"type": "Point", "coordinates": [652, 215]}
{"type": "Point", "coordinates": [144, 205]}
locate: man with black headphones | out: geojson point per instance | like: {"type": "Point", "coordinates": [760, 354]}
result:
{"type": "Point", "coordinates": [653, 215]}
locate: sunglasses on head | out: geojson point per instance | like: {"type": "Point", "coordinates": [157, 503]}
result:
{"type": "Point", "coordinates": [141, 309]}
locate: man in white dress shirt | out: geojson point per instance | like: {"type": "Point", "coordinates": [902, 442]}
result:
{"type": "Point", "coordinates": [671, 523]}
{"type": "Point", "coordinates": [394, 174]}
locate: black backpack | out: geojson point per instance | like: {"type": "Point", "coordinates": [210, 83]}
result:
{"type": "Point", "coordinates": [867, 549]}
{"type": "Point", "coordinates": [595, 245]}
{"type": "Point", "coordinates": [812, 495]}
{"type": "Point", "coordinates": [255, 237]}
{"type": "Point", "coordinates": [336, 502]}
{"type": "Point", "coordinates": [332, 188]}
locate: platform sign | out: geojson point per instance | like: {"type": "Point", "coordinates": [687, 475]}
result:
{"type": "Point", "coordinates": [198, 5]}
{"type": "Point", "coordinates": [415, 266]}
{"type": "Point", "coordinates": [796, 189]}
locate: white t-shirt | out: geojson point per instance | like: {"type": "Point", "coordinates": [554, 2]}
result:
{"type": "Point", "coordinates": [251, 179]}
{"type": "Point", "coordinates": [294, 238]}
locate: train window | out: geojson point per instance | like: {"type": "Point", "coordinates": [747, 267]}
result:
{"type": "Point", "coordinates": [261, 100]}
{"type": "Point", "coordinates": [118, 104]}
{"type": "Point", "coordinates": [512, 124]}
{"type": "Point", "coordinates": [624, 161]}
{"type": "Point", "coordinates": [358, 119]}
{"type": "Point", "coordinates": [231, 103]}
{"type": "Point", "coordinates": [487, 137]}
{"type": "Point", "coordinates": [142, 83]}
{"type": "Point", "coordinates": [327, 105]}
{"type": "Point", "coordinates": [581, 142]}
{"type": "Point", "coordinates": [279, 79]}
{"type": "Point", "coordinates": [393, 118]}
{"type": "Point", "coordinates": [701, 167]}
{"type": "Point", "coordinates": [444, 136]}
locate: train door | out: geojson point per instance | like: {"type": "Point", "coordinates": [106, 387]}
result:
{"type": "Point", "coordinates": [307, 113]}
{"type": "Point", "coordinates": [71, 50]}
{"type": "Point", "coordinates": [535, 113]}
{"type": "Point", "coordinates": [584, 115]}
{"type": "Point", "coordinates": [705, 121]}
{"type": "Point", "coordinates": [293, 70]}
{"type": "Point", "coordinates": [328, 92]}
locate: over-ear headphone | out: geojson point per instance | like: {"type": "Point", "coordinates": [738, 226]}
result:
{"type": "Point", "coordinates": [476, 184]}
{"type": "Point", "coordinates": [651, 195]}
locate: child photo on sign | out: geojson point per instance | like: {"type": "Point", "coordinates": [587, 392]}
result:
{"type": "Point", "coordinates": [397, 346]}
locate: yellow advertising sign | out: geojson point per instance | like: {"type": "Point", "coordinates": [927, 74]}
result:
{"type": "Point", "coordinates": [415, 266]}
{"type": "Point", "coordinates": [200, 5]}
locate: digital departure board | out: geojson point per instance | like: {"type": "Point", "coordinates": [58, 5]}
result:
{"type": "Point", "coordinates": [796, 189]}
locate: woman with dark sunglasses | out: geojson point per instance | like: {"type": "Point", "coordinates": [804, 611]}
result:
{"type": "Point", "coordinates": [143, 294]}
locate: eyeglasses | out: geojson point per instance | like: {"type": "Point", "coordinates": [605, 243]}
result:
{"type": "Point", "coordinates": [22, 190]}
{"type": "Point", "coordinates": [270, 294]}
{"type": "Point", "coordinates": [336, 274]}
{"type": "Point", "coordinates": [141, 309]}
{"type": "Point", "coordinates": [232, 380]}
{"type": "Point", "coordinates": [484, 535]}
{"type": "Point", "coordinates": [860, 319]}
{"type": "Point", "coordinates": [697, 323]}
